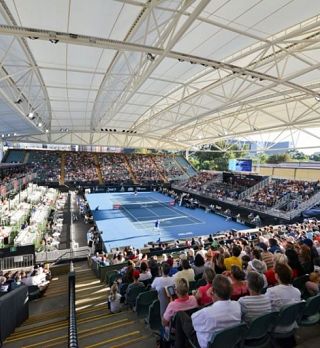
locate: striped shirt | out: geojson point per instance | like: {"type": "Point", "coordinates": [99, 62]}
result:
{"type": "Point", "coordinates": [267, 257]}
{"type": "Point", "coordinates": [254, 306]}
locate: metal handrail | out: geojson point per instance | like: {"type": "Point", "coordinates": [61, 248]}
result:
{"type": "Point", "coordinates": [46, 255]}
{"type": "Point", "coordinates": [72, 334]}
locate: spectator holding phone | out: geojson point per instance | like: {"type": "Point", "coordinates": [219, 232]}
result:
{"type": "Point", "coordinates": [183, 301]}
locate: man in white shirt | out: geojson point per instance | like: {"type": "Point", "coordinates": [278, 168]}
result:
{"type": "Point", "coordinates": [284, 293]}
{"type": "Point", "coordinates": [222, 314]}
{"type": "Point", "coordinates": [161, 282]}
{"type": "Point", "coordinates": [187, 272]}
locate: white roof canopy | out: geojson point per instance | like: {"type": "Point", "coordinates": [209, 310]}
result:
{"type": "Point", "coordinates": [159, 74]}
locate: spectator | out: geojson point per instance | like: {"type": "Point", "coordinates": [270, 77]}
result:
{"type": "Point", "coordinates": [260, 267]}
{"type": "Point", "coordinates": [255, 304]}
{"type": "Point", "coordinates": [222, 314]}
{"type": "Point", "coordinates": [182, 303]}
{"type": "Point", "coordinates": [266, 256]}
{"type": "Point", "coordinates": [270, 273]}
{"type": "Point", "coordinates": [187, 272]}
{"type": "Point", "coordinates": [239, 284]}
{"type": "Point", "coordinates": [234, 260]}
{"type": "Point", "coordinates": [284, 293]}
{"type": "Point", "coordinates": [136, 283]}
{"type": "Point", "coordinates": [198, 265]}
{"type": "Point", "coordinates": [313, 284]}
{"type": "Point", "coordinates": [294, 263]}
{"type": "Point", "coordinates": [145, 273]}
{"type": "Point", "coordinates": [202, 295]}
{"type": "Point", "coordinates": [114, 299]}
{"type": "Point", "coordinates": [163, 281]}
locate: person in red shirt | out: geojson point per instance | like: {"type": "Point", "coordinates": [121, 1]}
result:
{"type": "Point", "coordinates": [202, 295]}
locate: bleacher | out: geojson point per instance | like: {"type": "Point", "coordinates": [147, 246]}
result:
{"type": "Point", "coordinates": [15, 156]}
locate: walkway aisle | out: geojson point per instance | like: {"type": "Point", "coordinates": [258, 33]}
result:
{"type": "Point", "coordinates": [96, 326]}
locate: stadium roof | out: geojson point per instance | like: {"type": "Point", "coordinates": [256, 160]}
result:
{"type": "Point", "coordinates": [157, 74]}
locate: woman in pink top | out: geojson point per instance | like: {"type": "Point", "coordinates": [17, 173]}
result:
{"type": "Point", "coordinates": [202, 295]}
{"type": "Point", "coordinates": [183, 301]}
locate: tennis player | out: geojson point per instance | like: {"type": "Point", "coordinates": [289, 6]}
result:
{"type": "Point", "coordinates": [157, 225]}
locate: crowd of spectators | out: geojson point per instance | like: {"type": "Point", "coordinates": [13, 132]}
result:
{"type": "Point", "coordinates": [38, 276]}
{"type": "Point", "coordinates": [198, 182]}
{"type": "Point", "coordinates": [145, 169]}
{"type": "Point", "coordinates": [114, 169]}
{"type": "Point", "coordinates": [237, 276]}
{"type": "Point", "coordinates": [296, 190]}
{"type": "Point", "coordinates": [46, 164]}
{"type": "Point", "coordinates": [11, 172]}
{"type": "Point", "coordinates": [80, 167]}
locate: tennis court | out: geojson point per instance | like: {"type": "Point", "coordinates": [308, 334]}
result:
{"type": "Point", "coordinates": [129, 219]}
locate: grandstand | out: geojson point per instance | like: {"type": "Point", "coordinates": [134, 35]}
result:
{"type": "Point", "coordinates": [159, 173]}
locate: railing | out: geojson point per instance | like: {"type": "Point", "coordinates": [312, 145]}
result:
{"type": "Point", "coordinates": [304, 205]}
{"type": "Point", "coordinates": [73, 334]}
{"type": "Point", "coordinates": [255, 188]}
{"type": "Point", "coordinates": [65, 254]}
{"type": "Point", "coordinates": [13, 262]}
{"type": "Point", "coordinates": [282, 201]}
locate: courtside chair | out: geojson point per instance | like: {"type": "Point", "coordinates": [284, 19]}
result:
{"type": "Point", "coordinates": [311, 312]}
{"type": "Point", "coordinates": [231, 337]}
{"type": "Point", "coordinates": [288, 315]}
{"type": "Point", "coordinates": [143, 302]}
{"type": "Point", "coordinates": [153, 319]}
{"type": "Point", "coordinates": [257, 335]}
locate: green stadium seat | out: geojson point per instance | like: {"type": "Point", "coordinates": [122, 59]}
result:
{"type": "Point", "coordinates": [132, 294]}
{"type": "Point", "coordinates": [288, 315]}
{"type": "Point", "coordinates": [311, 312]}
{"type": "Point", "coordinates": [143, 301]}
{"type": "Point", "coordinates": [258, 332]}
{"type": "Point", "coordinates": [300, 283]}
{"type": "Point", "coordinates": [228, 338]}
{"type": "Point", "coordinates": [153, 319]}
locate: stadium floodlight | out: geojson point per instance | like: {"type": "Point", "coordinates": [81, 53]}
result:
{"type": "Point", "coordinates": [9, 134]}
{"type": "Point", "coordinates": [31, 115]}
{"type": "Point", "coordinates": [317, 98]}
{"type": "Point", "coordinates": [150, 57]}
{"type": "Point", "coordinates": [14, 134]}
{"type": "Point", "coordinates": [47, 130]}
{"type": "Point", "coordinates": [2, 135]}
{"type": "Point", "coordinates": [40, 124]}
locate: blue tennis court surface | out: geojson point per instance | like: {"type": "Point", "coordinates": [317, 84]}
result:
{"type": "Point", "coordinates": [129, 219]}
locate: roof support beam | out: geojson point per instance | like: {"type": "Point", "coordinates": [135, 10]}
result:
{"type": "Point", "coordinates": [84, 40]}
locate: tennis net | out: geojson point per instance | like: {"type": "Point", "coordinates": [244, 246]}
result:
{"type": "Point", "coordinates": [137, 205]}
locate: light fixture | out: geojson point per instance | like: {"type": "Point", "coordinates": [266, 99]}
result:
{"type": "Point", "coordinates": [31, 115]}
{"type": "Point", "coordinates": [40, 124]}
{"type": "Point", "coordinates": [317, 98]}
{"type": "Point", "coordinates": [2, 135]}
{"type": "Point", "coordinates": [9, 134]}
{"type": "Point", "coordinates": [47, 130]}
{"type": "Point", "coordinates": [150, 57]}
{"type": "Point", "coordinates": [18, 101]}
{"type": "Point", "coordinates": [14, 134]}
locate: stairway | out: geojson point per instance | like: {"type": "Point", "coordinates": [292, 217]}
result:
{"type": "Point", "coordinates": [100, 328]}
{"type": "Point", "coordinates": [96, 162]}
{"type": "Point", "coordinates": [26, 157]}
{"type": "Point", "coordinates": [161, 172]}
{"type": "Point", "coordinates": [62, 167]}
{"type": "Point", "coordinates": [130, 170]}
{"type": "Point", "coordinates": [47, 325]}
